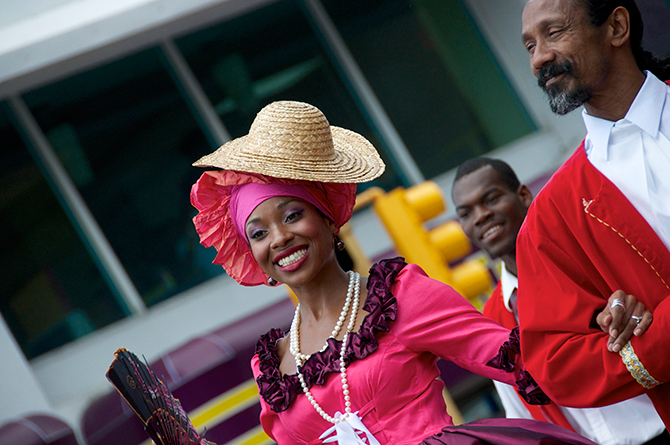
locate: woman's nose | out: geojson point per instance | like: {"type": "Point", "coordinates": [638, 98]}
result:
{"type": "Point", "coordinates": [280, 237]}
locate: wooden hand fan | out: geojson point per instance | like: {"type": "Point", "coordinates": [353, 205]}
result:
{"type": "Point", "coordinates": [163, 417]}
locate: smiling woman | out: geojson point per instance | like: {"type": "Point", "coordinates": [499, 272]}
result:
{"type": "Point", "coordinates": [287, 221]}
{"type": "Point", "coordinates": [273, 213]}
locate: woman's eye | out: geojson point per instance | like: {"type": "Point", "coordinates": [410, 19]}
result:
{"type": "Point", "coordinates": [256, 234]}
{"type": "Point", "coordinates": [293, 215]}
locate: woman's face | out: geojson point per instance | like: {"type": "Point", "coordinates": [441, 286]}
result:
{"type": "Point", "coordinates": [290, 239]}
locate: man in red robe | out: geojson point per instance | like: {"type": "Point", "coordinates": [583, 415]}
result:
{"type": "Point", "coordinates": [599, 231]}
{"type": "Point", "coordinates": [491, 205]}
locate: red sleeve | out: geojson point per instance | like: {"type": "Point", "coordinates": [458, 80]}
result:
{"type": "Point", "coordinates": [557, 302]}
{"type": "Point", "coordinates": [495, 309]}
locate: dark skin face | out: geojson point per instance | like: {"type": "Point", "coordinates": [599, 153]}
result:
{"type": "Point", "coordinates": [491, 214]}
{"type": "Point", "coordinates": [291, 240]}
{"type": "Point", "coordinates": [578, 63]}
{"type": "Point", "coordinates": [293, 243]}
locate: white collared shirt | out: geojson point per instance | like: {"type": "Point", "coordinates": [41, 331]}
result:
{"type": "Point", "coordinates": [509, 283]}
{"type": "Point", "coordinates": [636, 158]}
{"type": "Point", "coordinates": [514, 407]}
{"type": "Point", "coordinates": [631, 422]}
{"type": "Point", "coordinates": [638, 161]}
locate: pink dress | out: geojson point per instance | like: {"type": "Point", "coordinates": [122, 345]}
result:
{"type": "Point", "coordinates": [392, 370]}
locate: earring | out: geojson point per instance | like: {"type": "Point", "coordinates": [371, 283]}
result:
{"type": "Point", "coordinates": [272, 282]}
{"type": "Point", "coordinates": [339, 244]}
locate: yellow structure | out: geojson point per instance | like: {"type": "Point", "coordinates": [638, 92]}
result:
{"type": "Point", "coordinates": [403, 212]}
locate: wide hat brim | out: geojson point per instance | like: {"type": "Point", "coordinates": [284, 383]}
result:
{"type": "Point", "coordinates": [294, 140]}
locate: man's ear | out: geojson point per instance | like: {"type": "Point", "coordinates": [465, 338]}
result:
{"type": "Point", "coordinates": [525, 195]}
{"type": "Point", "coordinates": [619, 26]}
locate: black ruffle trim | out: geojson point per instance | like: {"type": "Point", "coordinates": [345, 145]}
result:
{"type": "Point", "coordinates": [506, 358]}
{"type": "Point", "coordinates": [279, 391]}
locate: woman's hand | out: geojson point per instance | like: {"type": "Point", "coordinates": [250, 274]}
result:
{"type": "Point", "coordinates": [622, 318]}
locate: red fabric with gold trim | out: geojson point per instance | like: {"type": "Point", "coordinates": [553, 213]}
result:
{"type": "Point", "coordinates": [581, 241]}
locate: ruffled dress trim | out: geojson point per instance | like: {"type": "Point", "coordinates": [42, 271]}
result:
{"type": "Point", "coordinates": [279, 391]}
{"type": "Point", "coordinates": [506, 359]}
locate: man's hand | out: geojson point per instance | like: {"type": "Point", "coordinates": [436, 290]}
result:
{"type": "Point", "coordinates": [622, 318]}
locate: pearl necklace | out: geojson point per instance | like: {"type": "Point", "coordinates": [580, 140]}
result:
{"type": "Point", "coordinates": [294, 346]}
{"type": "Point", "coordinates": [354, 290]}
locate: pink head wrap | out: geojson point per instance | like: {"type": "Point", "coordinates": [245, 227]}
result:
{"type": "Point", "coordinates": [212, 195]}
{"type": "Point", "coordinates": [246, 197]}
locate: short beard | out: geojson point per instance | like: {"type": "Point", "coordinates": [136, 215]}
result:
{"type": "Point", "coordinates": [562, 101]}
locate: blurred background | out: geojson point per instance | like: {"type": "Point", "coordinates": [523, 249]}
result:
{"type": "Point", "coordinates": [105, 105]}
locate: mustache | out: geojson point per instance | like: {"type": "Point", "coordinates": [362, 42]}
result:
{"type": "Point", "coordinates": [552, 70]}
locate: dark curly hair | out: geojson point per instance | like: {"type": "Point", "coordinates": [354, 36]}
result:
{"type": "Point", "coordinates": [598, 12]}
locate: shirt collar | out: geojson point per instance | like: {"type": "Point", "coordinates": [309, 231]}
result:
{"type": "Point", "coordinates": [644, 112]}
{"type": "Point", "coordinates": [509, 284]}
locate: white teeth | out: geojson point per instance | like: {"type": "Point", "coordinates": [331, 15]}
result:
{"type": "Point", "coordinates": [295, 256]}
{"type": "Point", "coordinates": [491, 230]}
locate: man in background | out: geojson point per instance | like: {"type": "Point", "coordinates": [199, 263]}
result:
{"type": "Point", "coordinates": [491, 205]}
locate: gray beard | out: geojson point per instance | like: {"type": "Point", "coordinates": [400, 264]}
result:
{"type": "Point", "coordinates": [563, 102]}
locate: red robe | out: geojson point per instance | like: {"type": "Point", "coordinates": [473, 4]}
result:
{"type": "Point", "coordinates": [495, 309]}
{"type": "Point", "coordinates": [581, 241]}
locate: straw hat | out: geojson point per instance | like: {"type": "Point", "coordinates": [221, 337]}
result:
{"type": "Point", "coordinates": [294, 140]}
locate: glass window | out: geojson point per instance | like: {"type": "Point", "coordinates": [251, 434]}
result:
{"type": "Point", "coordinates": [266, 55]}
{"type": "Point", "coordinates": [51, 291]}
{"type": "Point", "coordinates": [127, 139]}
{"type": "Point", "coordinates": [435, 77]}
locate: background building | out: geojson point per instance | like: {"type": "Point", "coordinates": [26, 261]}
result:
{"type": "Point", "coordinates": [104, 105]}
